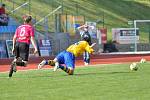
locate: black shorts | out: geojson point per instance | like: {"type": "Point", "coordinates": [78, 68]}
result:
{"type": "Point", "coordinates": [22, 50]}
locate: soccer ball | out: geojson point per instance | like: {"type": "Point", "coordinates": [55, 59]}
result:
{"type": "Point", "coordinates": [143, 60]}
{"type": "Point", "coordinates": [134, 67]}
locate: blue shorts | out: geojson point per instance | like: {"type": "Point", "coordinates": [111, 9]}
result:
{"type": "Point", "coordinates": [66, 58]}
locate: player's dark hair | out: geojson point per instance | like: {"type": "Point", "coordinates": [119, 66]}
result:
{"type": "Point", "coordinates": [86, 37]}
{"type": "Point", "coordinates": [27, 19]}
{"type": "Point", "coordinates": [3, 5]}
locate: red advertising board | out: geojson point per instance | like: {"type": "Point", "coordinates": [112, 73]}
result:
{"type": "Point", "coordinates": [103, 32]}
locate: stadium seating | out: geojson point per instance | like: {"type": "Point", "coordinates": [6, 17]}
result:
{"type": "Point", "coordinates": [7, 29]}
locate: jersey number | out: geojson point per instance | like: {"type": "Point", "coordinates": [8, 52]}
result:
{"type": "Point", "coordinates": [22, 33]}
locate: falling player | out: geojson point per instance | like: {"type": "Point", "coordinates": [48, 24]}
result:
{"type": "Point", "coordinates": [65, 60]}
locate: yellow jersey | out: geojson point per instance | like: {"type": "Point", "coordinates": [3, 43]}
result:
{"type": "Point", "coordinates": [79, 48]}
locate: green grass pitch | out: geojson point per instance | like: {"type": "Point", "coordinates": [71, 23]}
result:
{"type": "Point", "coordinates": [101, 82]}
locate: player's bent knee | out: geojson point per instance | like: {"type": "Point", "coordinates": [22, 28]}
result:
{"type": "Point", "coordinates": [70, 71]}
{"type": "Point", "coordinates": [21, 63]}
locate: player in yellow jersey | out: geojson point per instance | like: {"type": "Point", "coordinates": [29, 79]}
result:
{"type": "Point", "coordinates": [67, 57]}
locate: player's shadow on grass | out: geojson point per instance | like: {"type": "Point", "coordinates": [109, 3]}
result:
{"type": "Point", "coordinates": [79, 74]}
{"type": "Point", "coordinates": [65, 74]}
{"type": "Point", "coordinates": [100, 73]}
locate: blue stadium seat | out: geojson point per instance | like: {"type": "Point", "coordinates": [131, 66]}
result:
{"type": "Point", "coordinates": [7, 29]}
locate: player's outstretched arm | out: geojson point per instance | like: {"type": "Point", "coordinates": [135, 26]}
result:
{"type": "Point", "coordinates": [81, 27]}
{"type": "Point", "coordinates": [93, 44]}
